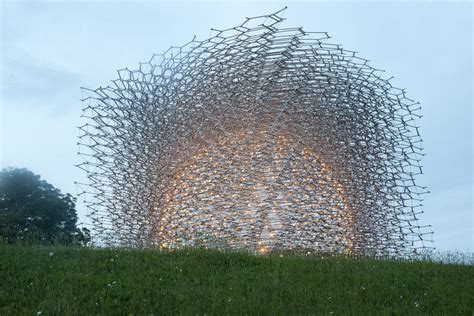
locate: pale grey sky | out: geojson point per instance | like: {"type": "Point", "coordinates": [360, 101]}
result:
{"type": "Point", "coordinates": [50, 49]}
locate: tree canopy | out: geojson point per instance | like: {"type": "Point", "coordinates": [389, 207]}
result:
{"type": "Point", "coordinates": [34, 211]}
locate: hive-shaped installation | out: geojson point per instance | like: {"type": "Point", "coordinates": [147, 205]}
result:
{"type": "Point", "coordinates": [260, 137]}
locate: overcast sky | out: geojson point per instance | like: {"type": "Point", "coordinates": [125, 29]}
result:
{"type": "Point", "coordinates": [50, 49]}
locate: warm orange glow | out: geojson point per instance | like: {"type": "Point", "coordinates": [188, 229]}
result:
{"type": "Point", "coordinates": [231, 194]}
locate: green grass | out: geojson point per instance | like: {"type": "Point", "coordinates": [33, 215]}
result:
{"type": "Point", "coordinates": [121, 282]}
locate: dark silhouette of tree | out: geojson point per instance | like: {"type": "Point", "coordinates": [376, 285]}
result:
{"type": "Point", "coordinates": [34, 211]}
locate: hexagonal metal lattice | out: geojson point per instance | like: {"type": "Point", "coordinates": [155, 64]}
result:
{"type": "Point", "coordinates": [259, 137]}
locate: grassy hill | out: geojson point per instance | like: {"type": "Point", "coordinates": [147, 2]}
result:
{"type": "Point", "coordinates": [64, 281]}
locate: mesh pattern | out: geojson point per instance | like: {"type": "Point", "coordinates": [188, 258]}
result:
{"type": "Point", "coordinates": [260, 137]}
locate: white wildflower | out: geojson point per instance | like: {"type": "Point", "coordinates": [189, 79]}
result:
{"type": "Point", "coordinates": [51, 254]}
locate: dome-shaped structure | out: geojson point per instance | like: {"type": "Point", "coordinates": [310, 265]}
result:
{"type": "Point", "coordinates": [259, 137]}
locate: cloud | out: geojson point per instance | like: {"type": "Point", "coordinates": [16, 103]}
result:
{"type": "Point", "coordinates": [49, 49]}
{"type": "Point", "coordinates": [27, 82]}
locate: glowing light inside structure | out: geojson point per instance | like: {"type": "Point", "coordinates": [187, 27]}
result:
{"type": "Point", "coordinates": [227, 193]}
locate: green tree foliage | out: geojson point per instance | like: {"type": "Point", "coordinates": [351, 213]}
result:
{"type": "Point", "coordinates": [34, 211]}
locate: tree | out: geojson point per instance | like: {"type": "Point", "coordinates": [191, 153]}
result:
{"type": "Point", "coordinates": [34, 211]}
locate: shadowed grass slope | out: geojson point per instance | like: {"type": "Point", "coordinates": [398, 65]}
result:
{"type": "Point", "coordinates": [62, 281]}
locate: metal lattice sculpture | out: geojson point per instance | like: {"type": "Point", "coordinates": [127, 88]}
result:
{"type": "Point", "coordinates": [259, 137]}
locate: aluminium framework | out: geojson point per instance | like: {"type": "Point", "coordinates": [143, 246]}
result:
{"type": "Point", "coordinates": [260, 137]}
